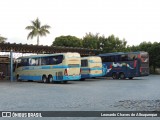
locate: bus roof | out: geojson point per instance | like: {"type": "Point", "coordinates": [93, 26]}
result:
{"type": "Point", "coordinates": [121, 53]}
{"type": "Point", "coordinates": [44, 55]}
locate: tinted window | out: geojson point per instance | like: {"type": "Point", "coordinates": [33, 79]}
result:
{"type": "Point", "coordinates": [52, 60]}
{"type": "Point", "coordinates": [84, 63]}
{"type": "Point", "coordinates": [144, 55]}
{"type": "Point", "coordinates": [23, 62]}
{"type": "Point", "coordinates": [124, 58]}
{"type": "Point", "coordinates": [132, 57]}
{"type": "Point", "coordinates": [108, 58]}
{"type": "Point", "coordinates": [34, 61]}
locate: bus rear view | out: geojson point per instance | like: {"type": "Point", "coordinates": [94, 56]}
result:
{"type": "Point", "coordinates": [91, 67]}
{"type": "Point", "coordinates": [143, 61]}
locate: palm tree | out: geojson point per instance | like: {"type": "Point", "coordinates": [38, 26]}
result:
{"type": "Point", "coordinates": [2, 39]}
{"type": "Point", "coordinates": [37, 30]}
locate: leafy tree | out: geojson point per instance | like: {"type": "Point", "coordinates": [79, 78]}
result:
{"type": "Point", "coordinates": [2, 39]}
{"type": "Point", "coordinates": [132, 48]}
{"type": "Point", "coordinates": [144, 46]}
{"type": "Point", "coordinates": [154, 55]}
{"type": "Point", "coordinates": [113, 44]}
{"type": "Point", "coordinates": [37, 30]}
{"type": "Point", "coordinates": [91, 41]}
{"type": "Point", "coordinates": [67, 41]}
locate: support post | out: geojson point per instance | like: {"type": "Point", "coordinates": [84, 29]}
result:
{"type": "Point", "coordinates": [11, 65]}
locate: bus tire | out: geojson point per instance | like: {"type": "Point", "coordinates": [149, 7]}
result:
{"type": "Point", "coordinates": [130, 78]}
{"type": "Point", "coordinates": [44, 79]}
{"type": "Point", "coordinates": [50, 79]}
{"type": "Point", "coordinates": [122, 76]}
{"type": "Point", "coordinates": [114, 75]}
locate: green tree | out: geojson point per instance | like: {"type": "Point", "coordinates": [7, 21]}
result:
{"type": "Point", "coordinates": [144, 46]}
{"type": "Point", "coordinates": [154, 55]}
{"type": "Point", "coordinates": [132, 48]}
{"type": "Point", "coordinates": [37, 30]}
{"type": "Point", "coordinates": [2, 39]}
{"type": "Point", "coordinates": [91, 41]}
{"type": "Point", "coordinates": [113, 44]}
{"type": "Point", "coordinates": [67, 41]}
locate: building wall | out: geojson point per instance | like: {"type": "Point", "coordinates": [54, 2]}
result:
{"type": "Point", "coordinates": [4, 67]}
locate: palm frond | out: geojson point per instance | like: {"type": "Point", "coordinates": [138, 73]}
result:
{"type": "Point", "coordinates": [45, 27]}
{"type": "Point", "coordinates": [30, 28]}
{"type": "Point", "coordinates": [30, 35]}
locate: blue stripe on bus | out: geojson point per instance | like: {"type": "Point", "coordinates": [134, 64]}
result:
{"type": "Point", "coordinates": [39, 78]}
{"type": "Point", "coordinates": [48, 67]}
{"type": "Point", "coordinates": [59, 66]}
{"type": "Point", "coordinates": [45, 67]}
{"type": "Point", "coordinates": [35, 78]}
{"type": "Point", "coordinates": [91, 68]}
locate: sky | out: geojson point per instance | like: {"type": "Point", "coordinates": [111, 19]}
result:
{"type": "Point", "coordinates": [133, 20]}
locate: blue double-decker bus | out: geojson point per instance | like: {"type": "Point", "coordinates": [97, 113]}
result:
{"type": "Point", "coordinates": [121, 65]}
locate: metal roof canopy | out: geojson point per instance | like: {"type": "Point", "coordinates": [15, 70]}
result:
{"type": "Point", "coordinates": [25, 48]}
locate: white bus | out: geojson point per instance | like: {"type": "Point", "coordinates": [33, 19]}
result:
{"type": "Point", "coordinates": [49, 67]}
{"type": "Point", "coordinates": [91, 67]}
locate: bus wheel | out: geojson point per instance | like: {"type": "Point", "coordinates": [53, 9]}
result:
{"type": "Point", "coordinates": [121, 76]}
{"type": "Point", "coordinates": [44, 79]}
{"type": "Point", "coordinates": [114, 75]}
{"type": "Point", "coordinates": [130, 77]}
{"type": "Point", "coordinates": [50, 79]}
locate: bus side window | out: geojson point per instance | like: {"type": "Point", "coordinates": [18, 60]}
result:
{"type": "Point", "coordinates": [24, 62]}
{"type": "Point", "coordinates": [132, 57]}
{"type": "Point", "coordinates": [43, 61]}
{"type": "Point", "coordinates": [59, 59]}
{"type": "Point", "coordinates": [123, 58]}
{"type": "Point", "coordinates": [53, 60]}
{"type": "Point", "coordinates": [84, 63]}
{"type": "Point", "coordinates": [34, 62]}
{"type": "Point", "coordinates": [112, 58]}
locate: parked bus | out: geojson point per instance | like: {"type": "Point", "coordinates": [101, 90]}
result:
{"type": "Point", "coordinates": [91, 67]}
{"type": "Point", "coordinates": [49, 67]}
{"type": "Point", "coordinates": [126, 65]}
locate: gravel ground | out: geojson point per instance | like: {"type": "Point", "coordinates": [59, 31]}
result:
{"type": "Point", "coordinates": [91, 95]}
